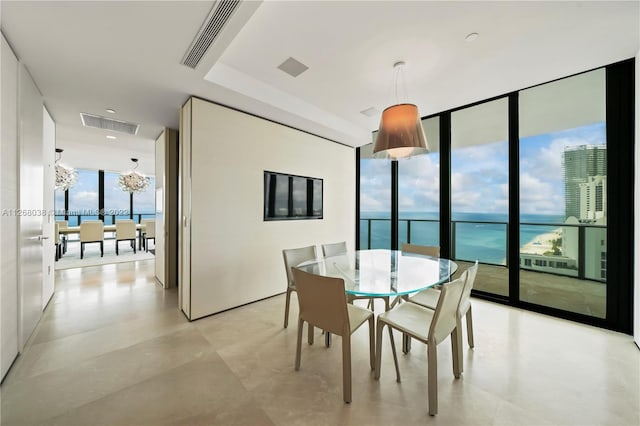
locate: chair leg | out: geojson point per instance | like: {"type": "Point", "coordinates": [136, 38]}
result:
{"type": "Point", "coordinates": [310, 332]}
{"type": "Point", "coordinates": [379, 327]}
{"type": "Point", "coordinates": [470, 328]}
{"type": "Point", "coordinates": [81, 250]}
{"type": "Point", "coordinates": [286, 305]}
{"type": "Point", "coordinates": [101, 248]}
{"type": "Point", "coordinates": [432, 372]}
{"type": "Point", "coordinates": [327, 339]}
{"type": "Point", "coordinates": [299, 344]}
{"type": "Point", "coordinates": [372, 340]}
{"type": "Point", "coordinates": [116, 247]}
{"type": "Point", "coordinates": [346, 367]}
{"type": "Point", "coordinates": [395, 355]}
{"type": "Point", "coordinates": [456, 350]}
{"type": "Point", "coordinates": [133, 244]}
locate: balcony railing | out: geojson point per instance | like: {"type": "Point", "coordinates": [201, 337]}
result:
{"type": "Point", "coordinates": [575, 250]}
{"type": "Point", "coordinates": [77, 219]}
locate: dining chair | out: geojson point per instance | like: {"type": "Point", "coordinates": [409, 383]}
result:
{"type": "Point", "coordinates": [433, 251]}
{"type": "Point", "coordinates": [126, 231]}
{"type": "Point", "coordinates": [63, 224]}
{"type": "Point", "coordinates": [149, 232]}
{"type": "Point", "coordinates": [57, 241]}
{"type": "Point", "coordinates": [334, 249]}
{"type": "Point", "coordinates": [294, 257]}
{"type": "Point", "coordinates": [428, 326]}
{"type": "Point", "coordinates": [429, 299]}
{"type": "Point", "coordinates": [91, 231]}
{"type": "Point", "coordinates": [323, 303]}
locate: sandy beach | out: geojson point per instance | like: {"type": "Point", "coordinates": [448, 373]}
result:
{"type": "Point", "coordinates": [542, 243]}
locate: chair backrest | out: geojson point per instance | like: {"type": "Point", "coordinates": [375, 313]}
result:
{"type": "Point", "coordinates": [63, 224]}
{"type": "Point", "coordinates": [466, 291]}
{"type": "Point", "coordinates": [322, 302]}
{"type": "Point", "coordinates": [149, 227]}
{"type": "Point", "coordinates": [91, 230]}
{"type": "Point", "coordinates": [446, 314]}
{"type": "Point", "coordinates": [294, 257]}
{"type": "Point", "coordinates": [125, 229]}
{"type": "Point", "coordinates": [433, 251]}
{"type": "Point", "coordinates": [334, 249]}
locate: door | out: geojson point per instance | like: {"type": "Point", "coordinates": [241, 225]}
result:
{"type": "Point", "coordinates": [49, 245]}
{"type": "Point", "coordinates": [31, 204]}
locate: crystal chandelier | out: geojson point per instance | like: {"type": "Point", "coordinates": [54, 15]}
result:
{"type": "Point", "coordinates": [133, 181]}
{"type": "Point", "coordinates": [65, 176]}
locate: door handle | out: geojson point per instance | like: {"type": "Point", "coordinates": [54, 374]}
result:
{"type": "Point", "coordinates": [42, 237]}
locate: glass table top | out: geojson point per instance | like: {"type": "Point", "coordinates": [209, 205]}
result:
{"type": "Point", "coordinates": [383, 272]}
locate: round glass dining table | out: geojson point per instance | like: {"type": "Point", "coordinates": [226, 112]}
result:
{"type": "Point", "coordinates": [379, 273]}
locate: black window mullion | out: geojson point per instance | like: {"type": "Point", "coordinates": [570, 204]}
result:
{"type": "Point", "coordinates": [513, 226]}
{"type": "Point", "coordinates": [290, 197]}
{"type": "Point", "coordinates": [101, 195]}
{"type": "Point", "coordinates": [445, 185]}
{"type": "Point", "coordinates": [394, 205]}
{"type": "Point", "coordinates": [357, 244]}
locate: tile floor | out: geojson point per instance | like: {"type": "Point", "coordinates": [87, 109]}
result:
{"type": "Point", "coordinates": [113, 349]}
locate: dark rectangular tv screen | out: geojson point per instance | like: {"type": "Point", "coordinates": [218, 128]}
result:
{"type": "Point", "coordinates": [290, 197]}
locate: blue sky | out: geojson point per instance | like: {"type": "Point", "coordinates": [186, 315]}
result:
{"type": "Point", "coordinates": [480, 175]}
{"type": "Point", "coordinates": [84, 194]}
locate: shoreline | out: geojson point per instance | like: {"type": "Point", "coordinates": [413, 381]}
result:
{"type": "Point", "coordinates": [542, 243]}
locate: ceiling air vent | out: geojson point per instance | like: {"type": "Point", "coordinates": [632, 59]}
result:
{"type": "Point", "coordinates": [98, 122]}
{"type": "Point", "coordinates": [218, 17]}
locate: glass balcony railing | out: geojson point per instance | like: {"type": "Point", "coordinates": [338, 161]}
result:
{"type": "Point", "coordinates": [573, 250]}
{"type": "Point", "coordinates": [77, 219]}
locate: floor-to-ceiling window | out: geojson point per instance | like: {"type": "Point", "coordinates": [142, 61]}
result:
{"type": "Point", "coordinates": [375, 200]}
{"type": "Point", "coordinates": [83, 197]}
{"type": "Point", "coordinates": [563, 203]}
{"type": "Point", "coordinates": [419, 192]}
{"type": "Point", "coordinates": [116, 201]}
{"type": "Point", "coordinates": [527, 181]}
{"type": "Point", "coordinates": [144, 203]}
{"type": "Point", "coordinates": [480, 188]}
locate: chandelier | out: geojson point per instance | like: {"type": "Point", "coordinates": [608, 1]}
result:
{"type": "Point", "coordinates": [65, 176]}
{"type": "Point", "coordinates": [133, 181]}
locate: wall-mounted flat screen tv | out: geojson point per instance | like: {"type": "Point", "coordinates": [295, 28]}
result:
{"type": "Point", "coordinates": [290, 197]}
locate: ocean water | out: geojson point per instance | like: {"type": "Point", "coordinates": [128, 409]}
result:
{"type": "Point", "coordinates": [481, 236]}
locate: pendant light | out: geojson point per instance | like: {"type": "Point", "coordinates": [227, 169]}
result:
{"type": "Point", "coordinates": [400, 134]}
{"type": "Point", "coordinates": [65, 176]}
{"type": "Point", "coordinates": [133, 181]}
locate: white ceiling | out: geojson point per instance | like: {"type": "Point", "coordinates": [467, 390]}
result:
{"type": "Point", "coordinates": [89, 56]}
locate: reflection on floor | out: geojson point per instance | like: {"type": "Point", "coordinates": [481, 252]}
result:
{"type": "Point", "coordinates": [113, 349]}
{"type": "Point", "coordinates": [566, 293]}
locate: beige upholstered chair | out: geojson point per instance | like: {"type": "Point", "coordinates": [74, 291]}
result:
{"type": "Point", "coordinates": [294, 257]}
{"type": "Point", "coordinates": [323, 304]}
{"type": "Point", "coordinates": [429, 299]}
{"type": "Point", "coordinates": [57, 241]}
{"type": "Point", "coordinates": [91, 231]}
{"type": "Point", "coordinates": [149, 232]}
{"type": "Point", "coordinates": [126, 231]}
{"type": "Point", "coordinates": [428, 326]}
{"type": "Point", "coordinates": [334, 249]}
{"type": "Point", "coordinates": [433, 251]}
{"type": "Point", "coordinates": [63, 224]}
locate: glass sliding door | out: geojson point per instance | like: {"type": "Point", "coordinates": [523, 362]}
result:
{"type": "Point", "coordinates": [563, 203]}
{"type": "Point", "coordinates": [480, 191]}
{"type": "Point", "coordinates": [375, 200]}
{"type": "Point", "coordinates": [419, 192]}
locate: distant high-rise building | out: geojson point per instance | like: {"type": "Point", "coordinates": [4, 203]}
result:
{"type": "Point", "coordinates": [579, 164]}
{"type": "Point", "coordinates": [593, 200]}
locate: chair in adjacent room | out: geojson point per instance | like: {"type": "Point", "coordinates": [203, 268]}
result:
{"type": "Point", "coordinates": [433, 251]}
{"type": "Point", "coordinates": [63, 224]}
{"type": "Point", "coordinates": [126, 231]}
{"type": "Point", "coordinates": [323, 304]}
{"type": "Point", "coordinates": [91, 231]}
{"type": "Point", "coordinates": [294, 257]}
{"type": "Point", "coordinates": [57, 241]}
{"type": "Point", "coordinates": [428, 326]}
{"type": "Point", "coordinates": [149, 232]}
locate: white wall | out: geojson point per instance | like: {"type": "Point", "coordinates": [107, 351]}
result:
{"type": "Point", "coordinates": [8, 200]}
{"type": "Point", "coordinates": [636, 239]}
{"type": "Point", "coordinates": [236, 257]}
{"type": "Point", "coordinates": [48, 225]}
